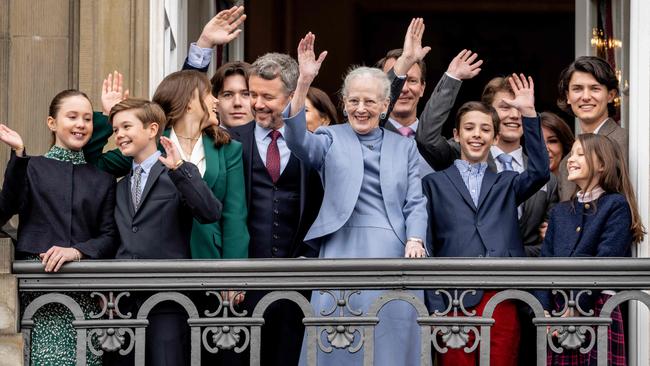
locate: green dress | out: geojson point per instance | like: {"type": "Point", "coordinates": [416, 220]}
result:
{"type": "Point", "coordinates": [53, 338]}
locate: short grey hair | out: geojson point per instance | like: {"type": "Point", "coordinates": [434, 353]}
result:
{"type": "Point", "coordinates": [370, 72]}
{"type": "Point", "coordinates": [272, 65]}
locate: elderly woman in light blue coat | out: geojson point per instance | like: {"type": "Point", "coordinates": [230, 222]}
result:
{"type": "Point", "coordinates": [373, 205]}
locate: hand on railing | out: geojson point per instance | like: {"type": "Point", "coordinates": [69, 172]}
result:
{"type": "Point", "coordinates": [414, 249]}
{"type": "Point", "coordinates": [56, 256]}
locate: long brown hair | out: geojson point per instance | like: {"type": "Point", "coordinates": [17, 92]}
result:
{"type": "Point", "coordinates": [614, 177]}
{"type": "Point", "coordinates": [175, 93]}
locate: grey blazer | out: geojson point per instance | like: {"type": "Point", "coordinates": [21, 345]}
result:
{"type": "Point", "coordinates": [335, 151]}
{"type": "Point", "coordinates": [440, 153]}
{"type": "Point", "coordinates": [610, 129]}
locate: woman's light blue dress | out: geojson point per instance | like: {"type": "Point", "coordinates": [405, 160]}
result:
{"type": "Point", "coordinates": [368, 234]}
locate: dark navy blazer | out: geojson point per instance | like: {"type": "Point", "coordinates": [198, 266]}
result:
{"type": "Point", "coordinates": [59, 204]}
{"type": "Point", "coordinates": [594, 229]}
{"type": "Point", "coordinates": [458, 228]}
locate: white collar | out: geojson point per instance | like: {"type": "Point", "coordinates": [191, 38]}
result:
{"type": "Point", "coordinates": [592, 195]}
{"type": "Point", "coordinates": [413, 126]}
{"type": "Point", "coordinates": [517, 154]}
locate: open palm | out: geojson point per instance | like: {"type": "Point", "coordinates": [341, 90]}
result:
{"type": "Point", "coordinates": [307, 62]}
{"type": "Point", "coordinates": [10, 137]}
{"type": "Point", "coordinates": [524, 91]}
{"type": "Point", "coordinates": [222, 28]}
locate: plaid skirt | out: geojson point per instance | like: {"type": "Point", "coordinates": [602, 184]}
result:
{"type": "Point", "coordinates": [615, 340]}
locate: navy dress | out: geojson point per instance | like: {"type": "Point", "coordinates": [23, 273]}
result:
{"type": "Point", "coordinates": [368, 234]}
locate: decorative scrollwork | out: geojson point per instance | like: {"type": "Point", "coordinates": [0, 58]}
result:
{"type": "Point", "coordinates": [111, 340]}
{"type": "Point", "coordinates": [455, 337]}
{"type": "Point", "coordinates": [224, 305]}
{"type": "Point", "coordinates": [571, 337]}
{"type": "Point", "coordinates": [341, 337]}
{"type": "Point", "coordinates": [110, 305]}
{"type": "Point", "coordinates": [455, 303]}
{"type": "Point", "coordinates": [226, 337]}
{"type": "Point", "coordinates": [341, 302]}
{"type": "Point", "coordinates": [572, 302]}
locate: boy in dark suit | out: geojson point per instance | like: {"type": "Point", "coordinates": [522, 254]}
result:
{"type": "Point", "coordinates": [473, 211]}
{"type": "Point", "coordinates": [155, 205]}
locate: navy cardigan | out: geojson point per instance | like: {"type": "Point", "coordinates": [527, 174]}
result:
{"type": "Point", "coordinates": [594, 229]}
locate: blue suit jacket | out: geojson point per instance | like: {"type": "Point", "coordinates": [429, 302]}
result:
{"type": "Point", "coordinates": [458, 228]}
{"type": "Point", "coordinates": [335, 151]}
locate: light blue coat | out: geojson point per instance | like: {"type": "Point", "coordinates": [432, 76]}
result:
{"type": "Point", "coordinates": [335, 151]}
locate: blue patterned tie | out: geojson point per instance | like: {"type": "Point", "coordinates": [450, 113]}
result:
{"type": "Point", "coordinates": [136, 191]}
{"type": "Point", "coordinates": [506, 160]}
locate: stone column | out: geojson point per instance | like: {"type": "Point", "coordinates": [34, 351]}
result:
{"type": "Point", "coordinates": [11, 342]}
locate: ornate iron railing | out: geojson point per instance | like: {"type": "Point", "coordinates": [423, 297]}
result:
{"type": "Point", "coordinates": [222, 329]}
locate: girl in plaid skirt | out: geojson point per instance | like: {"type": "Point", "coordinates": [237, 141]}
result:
{"type": "Point", "coordinates": [601, 220]}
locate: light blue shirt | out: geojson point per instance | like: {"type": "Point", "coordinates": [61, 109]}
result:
{"type": "Point", "coordinates": [199, 57]}
{"type": "Point", "coordinates": [472, 176]}
{"type": "Point", "coordinates": [423, 166]}
{"type": "Point", "coordinates": [263, 140]}
{"type": "Point", "coordinates": [146, 165]}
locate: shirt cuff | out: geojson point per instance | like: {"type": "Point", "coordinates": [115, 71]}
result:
{"type": "Point", "coordinates": [453, 77]}
{"type": "Point", "coordinates": [199, 57]}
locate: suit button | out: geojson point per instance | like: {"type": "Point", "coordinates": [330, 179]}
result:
{"type": "Point", "coordinates": [275, 236]}
{"type": "Point", "coordinates": [276, 200]}
{"type": "Point", "coordinates": [276, 211]}
{"type": "Point", "coordinates": [587, 206]}
{"type": "Point", "coordinates": [134, 229]}
{"type": "Point", "coordinates": [276, 224]}
{"type": "Point", "coordinates": [275, 188]}
{"type": "Point", "coordinates": [274, 249]}
{"type": "Point", "coordinates": [578, 229]}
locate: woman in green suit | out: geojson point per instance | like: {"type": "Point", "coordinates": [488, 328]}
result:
{"type": "Point", "coordinates": [193, 126]}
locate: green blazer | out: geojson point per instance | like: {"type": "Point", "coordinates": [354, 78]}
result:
{"type": "Point", "coordinates": [224, 175]}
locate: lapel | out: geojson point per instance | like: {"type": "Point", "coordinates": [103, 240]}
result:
{"type": "Point", "coordinates": [127, 193]}
{"type": "Point", "coordinates": [608, 127]}
{"type": "Point", "coordinates": [491, 164]}
{"type": "Point", "coordinates": [488, 181]}
{"type": "Point", "coordinates": [386, 161]}
{"type": "Point", "coordinates": [212, 162]}
{"type": "Point", "coordinates": [154, 173]}
{"type": "Point", "coordinates": [457, 181]}
{"type": "Point", "coordinates": [247, 139]}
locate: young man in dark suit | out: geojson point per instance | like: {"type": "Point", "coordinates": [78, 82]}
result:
{"type": "Point", "coordinates": [155, 205]}
{"type": "Point", "coordinates": [473, 210]}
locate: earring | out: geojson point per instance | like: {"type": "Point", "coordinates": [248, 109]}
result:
{"type": "Point", "coordinates": [345, 113]}
{"type": "Point", "coordinates": [382, 115]}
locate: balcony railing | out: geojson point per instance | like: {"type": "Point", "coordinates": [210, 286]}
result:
{"type": "Point", "coordinates": [111, 281]}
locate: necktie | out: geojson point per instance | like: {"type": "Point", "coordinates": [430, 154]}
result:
{"type": "Point", "coordinates": [136, 191]}
{"type": "Point", "coordinates": [506, 160]}
{"type": "Point", "coordinates": [273, 156]}
{"type": "Point", "coordinates": [406, 132]}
